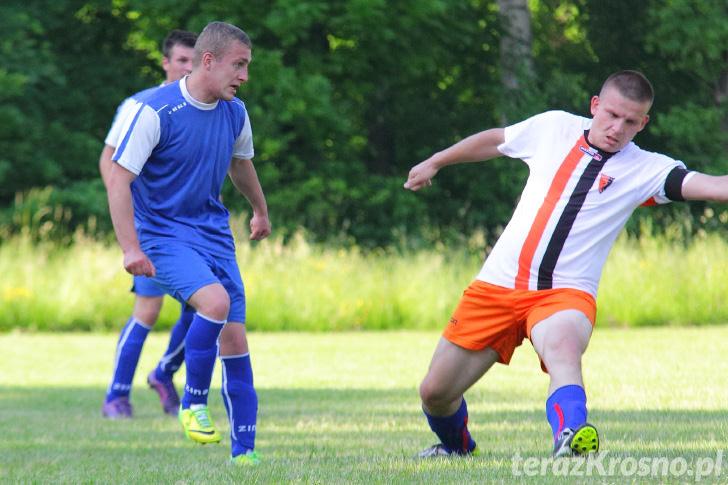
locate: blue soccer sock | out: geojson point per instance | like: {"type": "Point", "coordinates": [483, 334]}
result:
{"type": "Point", "coordinates": [200, 355]}
{"type": "Point", "coordinates": [175, 354]}
{"type": "Point", "coordinates": [453, 430]}
{"type": "Point", "coordinates": [566, 408]}
{"type": "Point", "coordinates": [128, 350]}
{"type": "Point", "coordinates": [241, 401]}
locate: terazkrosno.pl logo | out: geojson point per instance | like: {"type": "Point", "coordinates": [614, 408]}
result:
{"type": "Point", "coordinates": [603, 464]}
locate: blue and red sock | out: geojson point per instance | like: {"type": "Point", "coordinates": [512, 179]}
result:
{"type": "Point", "coordinates": [566, 408]}
{"type": "Point", "coordinates": [453, 430]}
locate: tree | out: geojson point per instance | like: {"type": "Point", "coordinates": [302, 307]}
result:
{"type": "Point", "coordinates": [346, 95]}
{"type": "Point", "coordinates": [66, 65]}
{"type": "Point", "coordinates": [516, 58]}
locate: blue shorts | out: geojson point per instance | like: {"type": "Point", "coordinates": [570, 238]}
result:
{"type": "Point", "coordinates": [144, 286]}
{"type": "Point", "coordinates": [182, 270]}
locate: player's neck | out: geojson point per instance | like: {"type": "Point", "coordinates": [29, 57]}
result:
{"type": "Point", "coordinates": [196, 87]}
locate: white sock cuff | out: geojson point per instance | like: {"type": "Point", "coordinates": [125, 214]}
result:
{"type": "Point", "coordinates": [223, 322]}
{"type": "Point", "coordinates": [223, 357]}
{"type": "Point", "coordinates": [140, 323]}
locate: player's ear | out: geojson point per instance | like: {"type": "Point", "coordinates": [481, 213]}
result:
{"type": "Point", "coordinates": [594, 105]}
{"type": "Point", "coordinates": [207, 59]}
{"type": "Point", "coordinates": [644, 122]}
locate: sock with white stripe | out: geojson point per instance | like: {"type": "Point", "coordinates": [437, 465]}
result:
{"type": "Point", "coordinates": [200, 355]}
{"type": "Point", "coordinates": [175, 354]}
{"type": "Point", "coordinates": [241, 401]}
{"type": "Point", "coordinates": [128, 350]}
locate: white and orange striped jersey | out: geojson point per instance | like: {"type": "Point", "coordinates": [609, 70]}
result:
{"type": "Point", "coordinates": [576, 201]}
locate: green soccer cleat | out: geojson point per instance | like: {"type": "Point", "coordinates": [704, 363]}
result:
{"type": "Point", "coordinates": [250, 458]}
{"type": "Point", "coordinates": [198, 425]}
{"type": "Point", "coordinates": [577, 442]}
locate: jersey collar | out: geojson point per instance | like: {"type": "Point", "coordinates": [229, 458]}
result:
{"type": "Point", "coordinates": [188, 97]}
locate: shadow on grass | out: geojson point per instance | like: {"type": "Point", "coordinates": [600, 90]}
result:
{"type": "Point", "coordinates": [57, 435]}
{"type": "Point", "coordinates": [300, 421]}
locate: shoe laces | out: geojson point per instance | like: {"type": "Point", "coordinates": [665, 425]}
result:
{"type": "Point", "coordinates": [565, 433]}
{"type": "Point", "coordinates": [202, 416]}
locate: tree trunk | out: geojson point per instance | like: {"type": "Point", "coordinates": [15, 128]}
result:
{"type": "Point", "coordinates": [721, 96]}
{"type": "Point", "coordinates": [516, 53]}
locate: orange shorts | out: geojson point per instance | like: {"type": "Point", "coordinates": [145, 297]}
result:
{"type": "Point", "coordinates": [500, 318]}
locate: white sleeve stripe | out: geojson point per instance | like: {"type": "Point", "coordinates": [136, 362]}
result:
{"type": "Point", "coordinates": [142, 135]}
{"type": "Point", "coordinates": [122, 113]}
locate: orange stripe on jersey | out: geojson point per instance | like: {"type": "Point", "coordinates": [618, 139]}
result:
{"type": "Point", "coordinates": [547, 208]}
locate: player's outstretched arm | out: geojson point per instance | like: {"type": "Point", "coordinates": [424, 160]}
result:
{"type": "Point", "coordinates": [121, 208]}
{"type": "Point", "coordinates": [475, 148]}
{"type": "Point", "coordinates": [245, 178]}
{"type": "Point", "coordinates": [706, 187]}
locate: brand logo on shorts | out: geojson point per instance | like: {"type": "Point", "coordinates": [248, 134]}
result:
{"type": "Point", "coordinates": [453, 321]}
{"type": "Point", "coordinates": [604, 182]}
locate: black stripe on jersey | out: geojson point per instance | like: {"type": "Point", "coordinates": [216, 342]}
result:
{"type": "Point", "coordinates": [673, 184]}
{"type": "Point", "coordinates": [566, 221]}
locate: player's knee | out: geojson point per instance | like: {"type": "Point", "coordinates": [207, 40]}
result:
{"type": "Point", "coordinates": [572, 347]}
{"type": "Point", "coordinates": [564, 352]}
{"type": "Point", "coordinates": [214, 303]}
{"type": "Point", "coordinates": [217, 310]}
{"type": "Point", "coordinates": [427, 395]}
{"type": "Point", "coordinates": [432, 395]}
{"type": "Point", "coordinates": [562, 338]}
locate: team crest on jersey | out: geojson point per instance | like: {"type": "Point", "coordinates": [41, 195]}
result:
{"type": "Point", "coordinates": [592, 152]}
{"type": "Point", "coordinates": [604, 182]}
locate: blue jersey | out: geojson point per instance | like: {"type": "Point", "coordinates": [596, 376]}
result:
{"type": "Point", "coordinates": [180, 149]}
{"type": "Point", "coordinates": [122, 112]}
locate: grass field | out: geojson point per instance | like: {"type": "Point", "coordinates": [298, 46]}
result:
{"type": "Point", "coordinates": [343, 408]}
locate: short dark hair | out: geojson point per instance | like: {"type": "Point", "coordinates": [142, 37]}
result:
{"type": "Point", "coordinates": [181, 37]}
{"type": "Point", "coordinates": [632, 85]}
{"type": "Point", "coordinates": [216, 37]}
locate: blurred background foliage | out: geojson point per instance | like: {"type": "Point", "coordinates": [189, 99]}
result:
{"type": "Point", "coordinates": [346, 95]}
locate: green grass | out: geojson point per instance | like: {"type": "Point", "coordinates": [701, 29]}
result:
{"type": "Point", "coordinates": [292, 286]}
{"type": "Point", "coordinates": [651, 281]}
{"type": "Point", "coordinates": [302, 286]}
{"type": "Point", "coordinates": [343, 408]}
